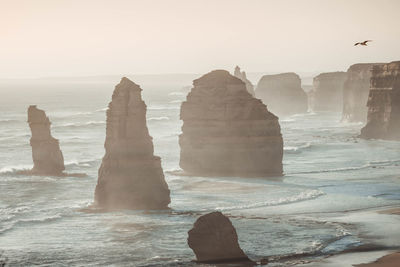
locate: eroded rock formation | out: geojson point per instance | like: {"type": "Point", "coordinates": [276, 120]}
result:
{"type": "Point", "coordinates": [327, 92]}
{"type": "Point", "coordinates": [384, 103]}
{"type": "Point", "coordinates": [242, 75]}
{"type": "Point", "coordinates": [282, 93]}
{"type": "Point", "coordinates": [228, 132]}
{"type": "Point", "coordinates": [355, 92]}
{"type": "Point", "coordinates": [130, 176]}
{"type": "Point", "coordinates": [213, 239]}
{"type": "Point", "coordinates": [46, 154]}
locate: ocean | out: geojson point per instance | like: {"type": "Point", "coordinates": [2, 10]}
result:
{"type": "Point", "coordinates": [321, 206]}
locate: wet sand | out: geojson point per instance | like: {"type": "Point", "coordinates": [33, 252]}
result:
{"type": "Point", "coordinates": [391, 260]}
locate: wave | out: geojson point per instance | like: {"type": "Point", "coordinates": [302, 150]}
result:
{"type": "Point", "coordinates": [177, 93]}
{"type": "Point", "coordinates": [9, 121]}
{"type": "Point", "coordinates": [303, 196]}
{"type": "Point", "coordinates": [84, 163]}
{"type": "Point", "coordinates": [296, 149]}
{"type": "Point", "coordinates": [23, 222]}
{"type": "Point", "coordinates": [101, 110]}
{"type": "Point", "coordinates": [14, 169]}
{"type": "Point", "coordinates": [175, 101]}
{"type": "Point", "coordinates": [81, 124]}
{"type": "Point", "coordinates": [163, 108]}
{"type": "Point", "coordinates": [158, 119]}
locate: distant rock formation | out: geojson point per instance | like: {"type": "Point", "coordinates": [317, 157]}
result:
{"type": "Point", "coordinates": [130, 176]}
{"type": "Point", "coordinates": [242, 75]}
{"type": "Point", "coordinates": [282, 93]}
{"type": "Point", "coordinates": [327, 92]}
{"type": "Point", "coordinates": [355, 92]}
{"type": "Point", "coordinates": [46, 154]}
{"type": "Point", "coordinates": [384, 103]}
{"type": "Point", "coordinates": [227, 132]}
{"type": "Point", "coordinates": [213, 239]}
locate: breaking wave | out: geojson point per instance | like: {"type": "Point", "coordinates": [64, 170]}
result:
{"type": "Point", "coordinates": [296, 149]}
{"type": "Point", "coordinates": [158, 119]}
{"type": "Point", "coordinates": [81, 124]}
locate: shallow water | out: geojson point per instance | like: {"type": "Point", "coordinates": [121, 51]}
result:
{"type": "Point", "coordinates": [328, 172]}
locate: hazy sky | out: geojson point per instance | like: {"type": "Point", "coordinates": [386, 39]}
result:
{"type": "Point", "coordinates": [96, 37]}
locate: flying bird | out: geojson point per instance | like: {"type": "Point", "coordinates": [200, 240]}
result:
{"type": "Point", "coordinates": [363, 43]}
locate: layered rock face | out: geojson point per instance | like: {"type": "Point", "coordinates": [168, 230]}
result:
{"type": "Point", "coordinates": [227, 132]}
{"type": "Point", "coordinates": [46, 154]}
{"type": "Point", "coordinates": [327, 92]}
{"type": "Point", "coordinates": [213, 239]}
{"type": "Point", "coordinates": [130, 176]}
{"type": "Point", "coordinates": [355, 92]}
{"type": "Point", "coordinates": [384, 103]}
{"type": "Point", "coordinates": [242, 75]}
{"type": "Point", "coordinates": [282, 93]}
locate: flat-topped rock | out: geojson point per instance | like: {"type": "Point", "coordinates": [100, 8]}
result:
{"type": "Point", "coordinates": [355, 92]}
{"type": "Point", "coordinates": [327, 92]}
{"type": "Point", "coordinates": [228, 132]}
{"type": "Point", "coordinates": [130, 176]}
{"type": "Point", "coordinates": [384, 103]}
{"type": "Point", "coordinates": [213, 239]}
{"type": "Point", "coordinates": [46, 154]}
{"type": "Point", "coordinates": [282, 93]}
{"type": "Point", "coordinates": [242, 75]}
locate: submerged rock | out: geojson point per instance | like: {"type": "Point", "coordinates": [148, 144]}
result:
{"type": "Point", "coordinates": [327, 92]}
{"type": "Point", "coordinates": [227, 132]}
{"type": "Point", "coordinates": [355, 92]}
{"type": "Point", "coordinates": [130, 176]}
{"type": "Point", "coordinates": [384, 103]}
{"type": "Point", "coordinates": [46, 154]}
{"type": "Point", "coordinates": [282, 93]}
{"type": "Point", "coordinates": [242, 75]}
{"type": "Point", "coordinates": [213, 239]}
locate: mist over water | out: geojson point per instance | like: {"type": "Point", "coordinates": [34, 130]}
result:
{"type": "Point", "coordinates": [329, 173]}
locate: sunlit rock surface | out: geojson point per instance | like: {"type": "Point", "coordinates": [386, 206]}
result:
{"type": "Point", "coordinates": [355, 92]}
{"type": "Point", "coordinates": [213, 239]}
{"type": "Point", "coordinates": [227, 132]}
{"type": "Point", "coordinates": [46, 154]}
{"type": "Point", "coordinates": [384, 103]}
{"type": "Point", "coordinates": [130, 176]}
{"type": "Point", "coordinates": [327, 92]}
{"type": "Point", "coordinates": [282, 93]}
{"type": "Point", "coordinates": [242, 75]}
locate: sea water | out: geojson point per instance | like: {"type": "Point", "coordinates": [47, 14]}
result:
{"type": "Point", "coordinates": [329, 174]}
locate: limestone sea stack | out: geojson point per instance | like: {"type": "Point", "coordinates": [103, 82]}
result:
{"type": "Point", "coordinates": [327, 92]}
{"type": "Point", "coordinates": [213, 239]}
{"type": "Point", "coordinates": [282, 93]}
{"type": "Point", "coordinates": [46, 154]}
{"type": "Point", "coordinates": [242, 75]}
{"type": "Point", "coordinates": [355, 92]}
{"type": "Point", "coordinates": [384, 103]}
{"type": "Point", "coordinates": [130, 176]}
{"type": "Point", "coordinates": [227, 132]}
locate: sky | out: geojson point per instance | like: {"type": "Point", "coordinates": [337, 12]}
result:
{"type": "Point", "coordinates": [44, 38]}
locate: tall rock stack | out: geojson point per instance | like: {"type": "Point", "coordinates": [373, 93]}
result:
{"type": "Point", "coordinates": [384, 103]}
{"type": "Point", "coordinates": [282, 93]}
{"type": "Point", "coordinates": [355, 92]}
{"type": "Point", "coordinates": [242, 75]}
{"type": "Point", "coordinates": [130, 176]}
{"type": "Point", "coordinates": [227, 132]}
{"type": "Point", "coordinates": [328, 91]}
{"type": "Point", "coordinates": [46, 154]}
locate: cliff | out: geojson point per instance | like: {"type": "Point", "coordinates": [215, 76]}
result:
{"type": "Point", "coordinates": [213, 239]}
{"type": "Point", "coordinates": [130, 176]}
{"type": "Point", "coordinates": [242, 75]}
{"type": "Point", "coordinates": [355, 92]}
{"type": "Point", "coordinates": [327, 92]}
{"type": "Point", "coordinates": [228, 132]}
{"type": "Point", "coordinates": [282, 93]}
{"type": "Point", "coordinates": [46, 154]}
{"type": "Point", "coordinates": [384, 103]}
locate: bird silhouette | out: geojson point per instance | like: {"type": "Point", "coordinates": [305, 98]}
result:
{"type": "Point", "coordinates": [363, 43]}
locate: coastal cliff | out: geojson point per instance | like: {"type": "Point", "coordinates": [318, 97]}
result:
{"type": "Point", "coordinates": [327, 92]}
{"type": "Point", "coordinates": [226, 131]}
{"type": "Point", "coordinates": [242, 75]}
{"type": "Point", "coordinates": [130, 176]}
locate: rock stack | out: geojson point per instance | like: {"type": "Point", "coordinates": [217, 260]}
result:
{"type": "Point", "coordinates": [242, 75]}
{"type": "Point", "coordinates": [213, 239]}
{"type": "Point", "coordinates": [327, 92]}
{"type": "Point", "coordinates": [46, 154]}
{"type": "Point", "coordinates": [355, 92]}
{"type": "Point", "coordinates": [130, 176]}
{"type": "Point", "coordinates": [227, 132]}
{"type": "Point", "coordinates": [282, 93]}
{"type": "Point", "coordinates": [384, 103]}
